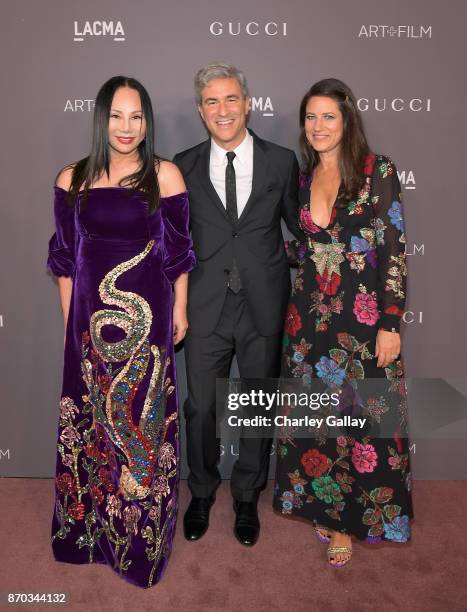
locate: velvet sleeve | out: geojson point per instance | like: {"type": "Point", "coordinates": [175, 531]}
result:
{"type": "Point", "coordinates": [61, 258]}
{"type": "Point", "coordinates": [179, 256]}
{"type": "Point", "coordinates": [390, 243]}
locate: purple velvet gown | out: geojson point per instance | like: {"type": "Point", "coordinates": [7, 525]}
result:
{"type": "Point", "coordinates": [117, 465]}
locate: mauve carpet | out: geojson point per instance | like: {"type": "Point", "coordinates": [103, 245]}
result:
{"type": "Point", "coordinates": [286, 570]}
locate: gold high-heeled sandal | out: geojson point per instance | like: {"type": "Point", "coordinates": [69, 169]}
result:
{"type": "Point", "coordinates": [335, 550]}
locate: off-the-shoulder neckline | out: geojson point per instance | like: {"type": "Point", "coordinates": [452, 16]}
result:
{"type": "Point", "coordinates": [175, 195]}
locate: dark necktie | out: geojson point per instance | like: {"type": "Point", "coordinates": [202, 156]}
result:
{"type": "Point", "coordinates": [235, 283]}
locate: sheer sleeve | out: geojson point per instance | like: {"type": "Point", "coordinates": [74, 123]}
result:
{"type": "Point", "coordinates": [179, 256]}
{"type": "Point", "coordinates": [390, 243]}
{"type": "Point", "coordinates": [295, 251]}
{"type": "Point", "coordinates": [296, 247]}
{"type": "Point", "coordinates": [61, 259]}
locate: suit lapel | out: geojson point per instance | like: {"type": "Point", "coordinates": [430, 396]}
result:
{"type": "Point", "coordinates": [202, 171]}
{"type": "Point", "coordinates": [260, 173]}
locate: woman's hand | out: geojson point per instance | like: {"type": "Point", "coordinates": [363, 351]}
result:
{"type": "Point", "coordinates": [180, 322]}
{"type": "Point", "coordinates": [388, 347]}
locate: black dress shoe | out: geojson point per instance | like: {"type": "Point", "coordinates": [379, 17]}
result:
{"type": "Point", "coordinates": [196, 519]}
{"type": "Point", "coordinates": [246, 528]}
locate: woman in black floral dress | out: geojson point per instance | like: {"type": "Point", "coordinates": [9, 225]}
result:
{"type": "Point", "coordinates": [342, 328]}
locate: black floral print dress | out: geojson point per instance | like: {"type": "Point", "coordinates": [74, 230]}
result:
{"type": "Point", "coordinates": [351, 281]}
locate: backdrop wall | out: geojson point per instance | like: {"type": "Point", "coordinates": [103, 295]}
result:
{"type": "Point", "coordinates": [403, 61]}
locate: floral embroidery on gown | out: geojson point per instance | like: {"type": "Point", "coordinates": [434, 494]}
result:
{"type": "Point", "coordinates": [351, 280]}
{"type": "Point", "coordinates": [117, 467]}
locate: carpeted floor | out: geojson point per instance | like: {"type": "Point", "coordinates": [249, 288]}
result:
{"type": "Point", "coordinates": [286, 570]}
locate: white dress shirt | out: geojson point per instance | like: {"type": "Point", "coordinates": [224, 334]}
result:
{"type": "Point", "coordinates": [243, 165]}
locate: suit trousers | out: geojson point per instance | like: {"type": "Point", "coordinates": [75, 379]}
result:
{"type": "Point", "coordinates": [208, 358]}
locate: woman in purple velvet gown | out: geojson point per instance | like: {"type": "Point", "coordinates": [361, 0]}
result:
{"type": "Point", "coordinates": [121, 251]}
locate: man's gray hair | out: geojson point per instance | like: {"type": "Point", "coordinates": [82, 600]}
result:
{"type": "Point", "coordinates": [219, 71]}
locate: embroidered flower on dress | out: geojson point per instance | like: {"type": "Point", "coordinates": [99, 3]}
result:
{"type": "Point", "coordinates": [358, 244]}
{"type": "Point", "coordinates": [92, 452]}
{"type": "Point", "coordinates": [364, 457]}
{"type": "Point", "coordinates": [326, 489]}
{"type": "Point", "coordinates": [167, 456]}
{"type": "Point", "coordinates": [328, 370]}
{"type": "Point", "coordinates": [96, 494]}
{"type": "Point", "coordinates": [68, 408]}
{"type": "Point", "coordinates": [398, 529]}
{"type": "Point", "coordinates": [161, 487]}
{"type": "Point", "coordinates": [293, 321]}
{"type": "Point", "coordinates": [76, 511]}
{"type": "Point", "coordinates": [395, 214]}
{"type": "Point", "coordinates": [114, 506]}
{"type": "Point", "coordinates": [67, 460]}
{"type": "Point", "coordinates": [295, 478]}
{"type": "Point", "coordinates": [307, 222]}
{"type": "Point", "coordinates": [155, 513]}
{"type": "Point", "coordinates": [69, 436]}
{"type": "Point", "coordinates": [287, 502]}
{"type": "Point", "coordinates": [327, 285]}
{"type": "Point", "coordinates": [369, 164]}
{"type": "Point", "coordinates": [65, 483]}
{"type": "Point", "coordinates": [314, 462]}
{"type": "Point", "coordinates": [106, 479]}
{"type": "Point", "coordinates": [131, 516]}
{"type": "Point", "coordinates": [366, 308]}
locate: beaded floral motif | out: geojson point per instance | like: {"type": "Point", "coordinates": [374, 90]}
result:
{"type": "Point", "coordinates": [327, 257]}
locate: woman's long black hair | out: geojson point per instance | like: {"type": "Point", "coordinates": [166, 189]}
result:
{"type": "Point", "coordinates": [354, 146]}
{"type": "Point", "coordinates": [88, 170]}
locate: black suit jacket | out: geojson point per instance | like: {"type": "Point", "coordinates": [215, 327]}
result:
{"type": "Point", "coordinates": [255, 240]}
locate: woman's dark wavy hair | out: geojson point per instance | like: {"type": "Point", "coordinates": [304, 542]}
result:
{"type": "Point", "coordinates": [86, 171]}
{"type": "Point", "coordinates": [354, 146]}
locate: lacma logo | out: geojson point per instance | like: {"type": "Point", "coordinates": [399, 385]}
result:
{"type": "Point", "coordinates": [113, 29]}
{"type": "Point", "coordinates": [262, 105]}
{"type": "Point", "coordinates": [252, 28]}
{"type": "Point", "coordinates": [407, 179]}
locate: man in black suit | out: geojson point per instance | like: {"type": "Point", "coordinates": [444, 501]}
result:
{"type": "Point", "coordinates": [240, 187]}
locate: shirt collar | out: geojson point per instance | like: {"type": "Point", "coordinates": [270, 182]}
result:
{"type": "Point", "coordinates": [242, 152]}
